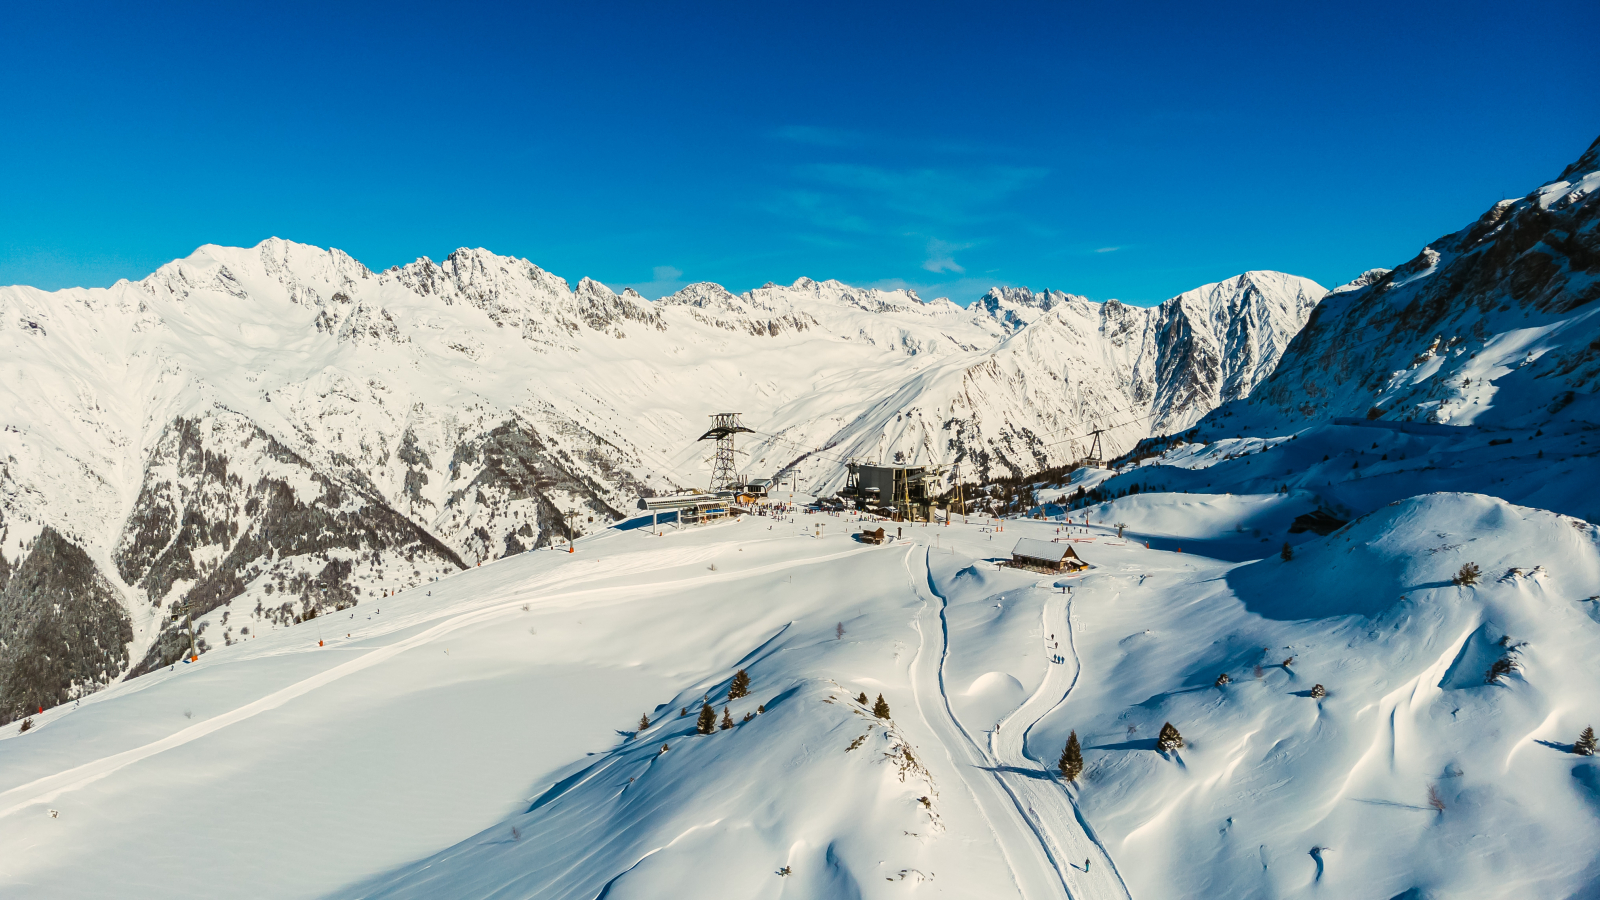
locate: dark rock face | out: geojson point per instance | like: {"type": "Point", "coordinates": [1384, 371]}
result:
{"type": "Point", "coordinates": [225, 506]}
{"type": "Point", "coordinates": [517, 472]}
{"type": "Point", "coordinates": [63, 633]}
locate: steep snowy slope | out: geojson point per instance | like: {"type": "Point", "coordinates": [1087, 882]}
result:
{"type": "Point", "coordinates": [253, 435]}
{"type": "Point", "coordinates": [1494, 324]}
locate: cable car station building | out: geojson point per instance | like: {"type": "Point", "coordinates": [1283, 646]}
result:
{"type": "Point", "coordinates": [904, 493]}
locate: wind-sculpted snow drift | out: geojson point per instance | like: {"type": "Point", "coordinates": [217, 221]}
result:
{"type": "Point", "coordinates": [250, 436]}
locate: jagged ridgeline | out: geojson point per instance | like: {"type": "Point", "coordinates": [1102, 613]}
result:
{"type": "Point", "coordinates": [1489, 325]}
{"type": "Point", "coordinates": [251, 437]}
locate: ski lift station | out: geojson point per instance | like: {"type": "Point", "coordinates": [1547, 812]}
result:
{"type": "Point", "coordinates": [906, 491]}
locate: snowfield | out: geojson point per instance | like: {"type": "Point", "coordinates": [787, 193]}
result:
{"type": "Point", "coordinates": [477, 736]}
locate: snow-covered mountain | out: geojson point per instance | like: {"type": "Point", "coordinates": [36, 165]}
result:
{"type": "Point", "coordinates": [1495, 324]}
{"type": "Point", "coordinates": [279, 428]}
{"type": "Point", "coordinates": [1330, 658]}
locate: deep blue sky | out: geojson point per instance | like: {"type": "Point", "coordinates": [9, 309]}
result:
{"type": "Point", "coordinates": [1115, 150]}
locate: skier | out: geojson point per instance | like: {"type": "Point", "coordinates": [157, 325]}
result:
{"type": "Point", "coordinates": [1086, 865]}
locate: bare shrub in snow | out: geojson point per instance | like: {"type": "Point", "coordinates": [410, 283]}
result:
{"type": "Point", "coordinates": [1467, 575]}
{"type": "Point", "coordinates": [1071, 763]}
{"type": "Point", "coordinates": [1585, 744]}
{"type": "Point", "coordinates": [26, 724]}
{"type": "Point", "coordinates": [838, 631]}
{"type": "Point", "coordinates": [1169, 739]}
{"type": "Point", "coordinates": [516, 833]}
{"type": "Point", "coordinates": [880, 708]}
{"type": "Point", "coordinates": [1434, 800]}
{"type": "Point", "coordinates": [1259, 672]}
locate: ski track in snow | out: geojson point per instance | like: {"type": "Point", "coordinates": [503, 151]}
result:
{"type": "Point", "coordinates": [1061, 827]}
{"type": "Point", "coordinates": [1059, 834]}
{"type": "Point", "coordinates": [1025, 856]}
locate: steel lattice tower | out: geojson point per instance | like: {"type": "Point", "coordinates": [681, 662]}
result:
{"type": "Point", "coordinates": [724, 472]}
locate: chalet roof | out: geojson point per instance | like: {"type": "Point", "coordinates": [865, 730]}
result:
{"type": "Point", "coordinates": [1046, 550]}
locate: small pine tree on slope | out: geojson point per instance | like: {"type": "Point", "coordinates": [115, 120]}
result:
{"type": "Point", "coordinates": [727, 720]}
{"type": "Point", "coordinates": [644, 721]}
{"type": "Point", "coordinates": [1071, 758]}
{"type": "Point", "coordinates": [881, 708]}
{"type": "Point", "coordinates": [1585, 744]}
{"type": "Point", "coordinates": [707, 722]}
{"type": "Point", "coordinates": [740, 685]}
{"type": "Point", "coordinates": [1169, 738]}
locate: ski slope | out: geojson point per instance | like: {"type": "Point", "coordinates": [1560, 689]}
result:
{"type": "Point", "coordinates": [475, 736]}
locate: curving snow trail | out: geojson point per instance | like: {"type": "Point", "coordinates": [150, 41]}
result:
{"type": "Point", "coordinates": [1035, 784]}
{"type": "Point", "coordinates": [1035, 874]}
{"type": "Point", "coordinates": [1031, 812]}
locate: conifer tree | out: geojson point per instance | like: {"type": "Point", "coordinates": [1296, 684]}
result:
{"type": "Point", "coordinates": [1071, 758]}
{"type": "Point", "coordinates": [740, 685]}
{"type": "Point", "coordinates": [1468, 574]}
{"type": "Point", "coordinates": [1223, 679]}
{"type": "Point", "coordinates": [707, 722]}
{"type": "Point", "coordinates": [761, 709]}
{"type": "Point", "coordinates": [881, 708]}
{"type": "Point", "coordinates": [727, 720]}
{"type": "Point", "coordinates": [1502, 667]}
{"type": "Point", "coordinates": [863, 699]}
{"type": "Point", "coordinates": [1585, 744]}
{"type": "Point", "coordinates": [1287, 553]}
{"type": "Point", "coordinates": [1169, 739]}
{"type": "Point", "coordinates": [1318, 692]}
{"type": "Point", "coordinates": [644, 721]}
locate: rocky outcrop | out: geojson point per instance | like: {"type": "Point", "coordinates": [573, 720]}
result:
{"type": "Point", "coordinates": [1490, 323]}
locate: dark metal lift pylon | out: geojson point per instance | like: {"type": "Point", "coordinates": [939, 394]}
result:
{"type": "Point", "coordinates": [724, 472]}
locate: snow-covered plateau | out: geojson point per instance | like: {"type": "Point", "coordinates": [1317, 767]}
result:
{"type": "Point", "coordinates": [1335, 637]}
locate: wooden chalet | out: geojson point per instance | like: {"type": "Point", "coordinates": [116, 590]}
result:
{"type": "Point", "coordinates": [1046, 556]}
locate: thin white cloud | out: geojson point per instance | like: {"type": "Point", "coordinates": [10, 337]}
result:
{"type": "Point", "coordinates": [941, 256]}
{"type": "Point", "coordinates": [1107, 249]}
{"type": "Point", "coordinates": [664, 280]}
